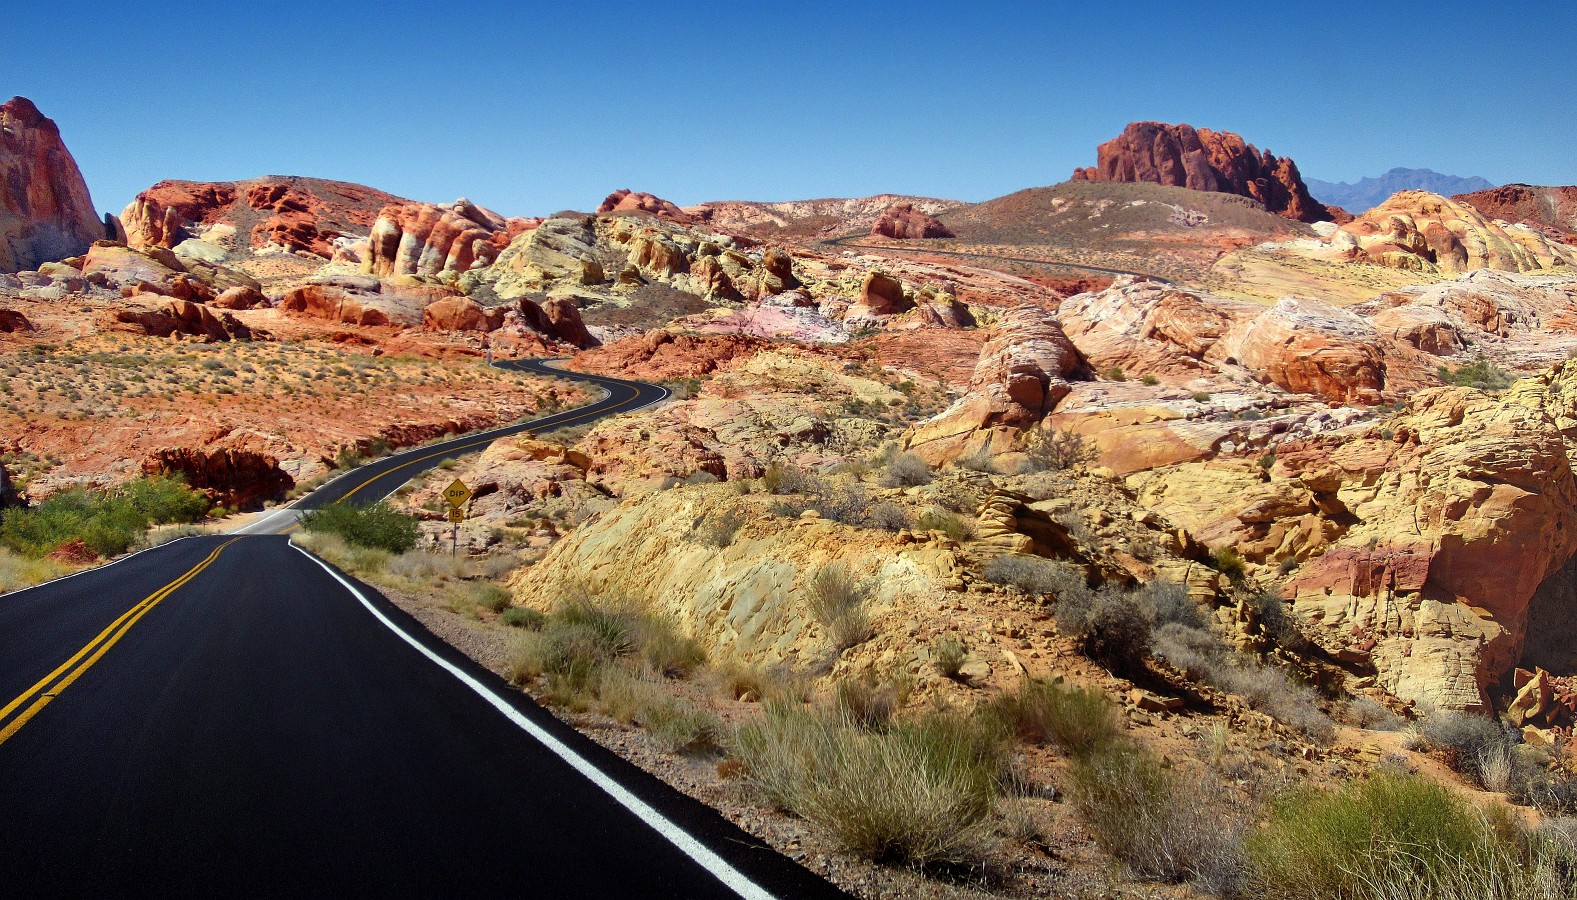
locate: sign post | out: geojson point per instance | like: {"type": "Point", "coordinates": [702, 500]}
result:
{"type": "Point", "coordinates": [456, 494]}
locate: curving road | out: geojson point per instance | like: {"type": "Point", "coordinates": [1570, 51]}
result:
{"type": "Point", "coordinates": [229, 716]}
{"type": "Point", "coordinates": [843, 242]}
{"type": "Point", "coordinates": [376, 480]}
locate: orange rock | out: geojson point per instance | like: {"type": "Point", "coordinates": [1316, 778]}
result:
{"type": "Point", "coordinates": [902, 221]}
{"type": "Point", "coordinates": [45, 211]}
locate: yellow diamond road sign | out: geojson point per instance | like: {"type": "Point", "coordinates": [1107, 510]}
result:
{"type": "Point", "coordinates": [457, 493]}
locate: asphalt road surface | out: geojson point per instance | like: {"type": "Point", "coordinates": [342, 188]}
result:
{"type": "Point", "coordinates": [225, 716]}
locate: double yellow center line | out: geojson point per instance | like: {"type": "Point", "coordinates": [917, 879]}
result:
{"type": "Point", "coordinates": [50, 686]}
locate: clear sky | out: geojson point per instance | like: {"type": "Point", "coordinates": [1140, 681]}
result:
{"type": "Point", "coordinates": [531, 108]}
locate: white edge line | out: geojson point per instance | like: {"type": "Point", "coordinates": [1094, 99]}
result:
{"type": "Point", "coordinates": [87, 571]}
{"type": "Point", "coordinates": [697, 851]}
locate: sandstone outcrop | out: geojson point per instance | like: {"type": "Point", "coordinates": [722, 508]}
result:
{"type": "Point", "coordinates": [1422, 544]}
{"type": "Point", "coordinates": [181, 317]}
{"type": "Point", "coordinates": [1428, 233]}
{"type": "Point", "coordinates": [423, 239]}
{"type": "Point", "coordinates": [1550, 209]}
{"type": "Point", "coordinates": [747, 601]}
{"type": "Point", "coordinates": [1024, 370]}
{"type": "Point", "coordinates": [12, 322]}
{"type": "Point", "coordinates": [235, 477]}
{"type": "Point", "coordinates": [625, 200]}
{"type": "Point", "coordinates": [308, 215]}
{"type": "Point", "coordinates": [45, 211]}
{"type": "Point", "coordinates": [1204, 160]}
{"type": "Point", "coordinates": [662, 355]}
{"type": "Point", "coordinates": [1310, 347]}
{"type": "Point", "coordinates": [902, 221]}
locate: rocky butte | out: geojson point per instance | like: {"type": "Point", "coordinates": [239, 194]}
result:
{"type": "Point", "coordinates": [1205, 160]}
{"type": "Point", "coordinates": [45, 210]}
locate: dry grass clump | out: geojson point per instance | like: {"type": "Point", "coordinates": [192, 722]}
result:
{"type": "Point", "coordinates": [837, 600]}
{"type": "Point", "coordinates": [586, 633]}
{"type": "Point", "coordinates": [1079, 721]}
{"type": "Point", "coordinates": [922, 790]}
{"type": "Point", "coordinates": [906, 470]}
{"type": "Point", "coordinates": [17, 572]}
{"type": "Point", "coordinates": [949, 653]}
{"type": "Point", "coordinates": [1036, 576]}
{"type": "Point", "coordinates": [1403, 837]}
{"type": "Point", "coordinates": [1163, 824]}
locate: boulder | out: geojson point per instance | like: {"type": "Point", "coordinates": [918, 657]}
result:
{"type": "Point", "coordinates": [45, 211]}
{"type": "Point", "coordinates": [625, 200]}
{"type": "Point", "coordinates": [240, 298]}
{"type": "Point", "coordinates": [1311, 347]}
{"type": "Point", "coordinates": [902, 221]}
{"type": "Point", "coordinates": [12, 321]}
{"type": "Point", "coordinates": [1022, 373]}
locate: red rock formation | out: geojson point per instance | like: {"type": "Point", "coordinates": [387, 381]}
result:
{"type": "Point", "coordinates": [231, 476]}
{"type": "Point", "coordinates": [45, 211]}
{"type": "Point", "coordinates": [8, 494]}
{"type": "Point", "coordinates": [902, 221]}
{"type": "Point", "coordinates": [12, 321]}
{"type": "Point", "coordinates": [182, 317]}
{"type": "Point", "coordinates": [881, 295]}
{"type": "Point", "coordinates": [423, 239]}
{"type": "Point", "coordinates": [1204, 160]}
{"type": "Point", "coordinates": [299, 214]}
{"type": "Point", "coordinates": [625, 200]}
{"type": "Point", "coordinates": [240, 298]}
{"type": "Point", "coordinates": [660, 355]}
{"type": "Point", "coordinates": [1550, 209]}
{"type": "Point", "coordinates": [565, 322]}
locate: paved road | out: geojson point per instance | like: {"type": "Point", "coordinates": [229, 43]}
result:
{"type": "Point", "coordinates": [226, 716]}
{"type": "Point", "coordinates": [844, 243]}
{"type": "Point", "coordinates": [377, 480]}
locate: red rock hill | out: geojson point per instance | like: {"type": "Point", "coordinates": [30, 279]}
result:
{"type": "Point", "coordinates": [1205, 160]}
{"type": "Point", "coordinates": [45, 211]}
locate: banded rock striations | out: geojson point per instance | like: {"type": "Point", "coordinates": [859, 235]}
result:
{"type": "Point", "coordinates": [1550, 209]}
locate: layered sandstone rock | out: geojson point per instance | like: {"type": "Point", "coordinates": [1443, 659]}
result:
{"type": "Point", "coordinates": [1421, 544]}
{"type": "Point", "coordinates": [1551, 209]}
{"type": "Point", "coordinates": [902, 221]}
{"type": "Point", "coordinates": [423, 239]}
{"type": "Point", "coordinates": [1310, 347]}
{"type": "Point", "coordinates": [1024, 370]}
{"type": "Point", "coordinates": [1428, 233]}
{"type": "Point", "coordinates": [233, 476]}
{"type": "Point", "coordinates": [45, 211]}
{"type": "Point", "coordinates": [179, 317]}
{"type": "Point", "coordinates": [1204, 160]}
{"type": "Point", "coordinates": [308, 215]}
{"type": "Point", "coordinates": [625, 200]}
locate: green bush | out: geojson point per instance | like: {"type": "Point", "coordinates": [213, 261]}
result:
{"type": "Point", "coordinates": [1228, 561]}
{"type": "Point", "coordinates": [1400, 837]}
{"type": "Point", "coordinates": [935, 519]}
{"type": "Point", "coordinates": [522, 617]}
{"type": "Point", "coordinates": [108, 522]}
{"type": "Point", "coordinates": [378, 526]}
{"type": "Point", "coordinates": [1481, 374]}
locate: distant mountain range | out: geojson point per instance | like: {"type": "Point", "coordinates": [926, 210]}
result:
{"type": "Point", "coordinates": [1371, 192]}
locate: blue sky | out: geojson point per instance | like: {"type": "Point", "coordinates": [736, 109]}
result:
{"type": "Point", "coordinates": [532, 108]}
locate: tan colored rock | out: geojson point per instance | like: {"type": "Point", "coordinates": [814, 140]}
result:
{"type": "Point", "coordinates": [1310, 347]}
{"type": "Point", "coordinates": [1023, 372]}
{"type": "Point", "coordinates": [1429, 233]}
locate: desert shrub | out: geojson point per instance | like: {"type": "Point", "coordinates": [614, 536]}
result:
{"type": "Point", "coordinates": [1112, 627]}
{"type": "Point", "coordinates": [906, 470]}
{"type": "Point", "coordinates": [524, 617]}
{"type": "Point", "coordinates": [980, 460]}
{"type": "Point", "coordinates": [865, 701]}
{"type": "Point", "coordinates": [1150, 381]}
{"type": "Point", "coordinates": [17, 572]}
{"type": "Point", "coordinates": [1465, 741]}
{"type": "Point", "coordinates": [635, 698]}
{"type": "Point", "coordinates": [949, 653]}
{"type": "Point", "coordinates": [490, 597]}
{"type": "Point", "coordinates": [837, 600]}
{"type": "Point", "coordinates": [378, 526]}
{"type": "Point", "coordinates": [955, 527]}
{"type": "Point", "coordinates": [107, 522]}
{"type": "Point", "coordinates": [1162, 824]}
{"type": "Point", "coordinates": [1400, 837]}
{"type": "Point", "coordinates": [1034, 575]}
{"type": "Point", "coordinates": [919, 791]}
{"type": "Point", "coordinates": [887, 516]}
{"type": "Point", "coordinates": [1275, 623]}
{"type": "Point", "coordinates": [1169, 603]}
{"type": "Point", "coordinates": [1115, 373]}
{"type": "Point", "coordinates": [1481, 374]}
{"type": "Point", "coordinates": [1364, 712]}
{"type": "Point", "coordinates": [1078, 720]}
{"type": "Point", "coordinates": [586, 632]}
{"type": "Point", "coordinates": [1228, 562]}
{"type": "Point", "coordinates": [720, 529]}
{"type": "Point", "coordinates": [1057, 450]}
{"type": "Point", "coordinates": [1205, 658]}
{"type": "Point", "coordinates": [783, 478]}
